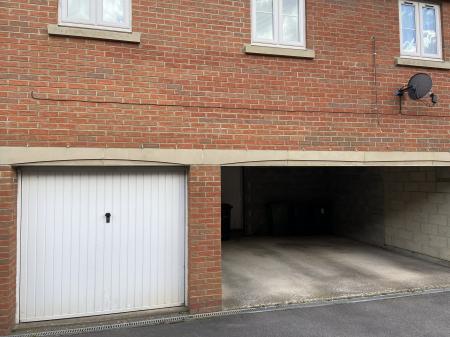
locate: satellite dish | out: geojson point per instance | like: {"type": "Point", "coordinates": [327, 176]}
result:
{"type": "Point", "coordinates": [419, 86]}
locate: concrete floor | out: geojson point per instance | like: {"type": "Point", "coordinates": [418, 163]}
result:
{"type": "Point", "coordinates": [263, 271]}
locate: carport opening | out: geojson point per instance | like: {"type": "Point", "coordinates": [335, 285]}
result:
{"type": "Point", "coordinates": [293, 234]}
{"type": "Point", "coordinates": [279, 201]}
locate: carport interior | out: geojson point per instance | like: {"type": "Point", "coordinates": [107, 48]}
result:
{"type": "Point", "coordinates": [294, 234]}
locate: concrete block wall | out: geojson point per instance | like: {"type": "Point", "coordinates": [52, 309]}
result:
{"type": "Point", "coordinates": [355, 195]}
{"type": "Point", "coordinates": [299, 187]}
{"type": "Point", "coordinates": [358, 195]}
{"type": "Point", "coordinates": [232, 194]}
{"type": "Point", "coordinates": [417, 210]}
{"type": "Point", "coordinates": [402, 207]}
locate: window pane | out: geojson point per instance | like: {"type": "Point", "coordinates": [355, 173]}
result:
{"type": "Point", "coordinates": [409, 43]}
{"type": "Point", "coordinates": [429, 31]}
{"type": "Point", "coordinates": [290, 29]}
{"type": "Point", "coordinates": [264, 19]}
{"type": "Point", "coordinates": [78, 10]}
{"type": "Point", "coordinates": [264, 6]}
{"type": "Point", "coordinates": [408, 16]}
{"type": "Point", "coordinates": [290, 21]}
{"type": "Point", "coordinates": [264, 26]}
{"type": "Point", "coordinates": [114, 11]}
{"type": "Point", "coordinates": [290, 7]}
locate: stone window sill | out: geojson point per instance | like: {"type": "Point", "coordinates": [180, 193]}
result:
{"type": "Point", "coordinates": [94, 34]}
{"type": "Point", "coordinates": [277, 51]}
{"type": "Point", "coordinates": [410, 62]}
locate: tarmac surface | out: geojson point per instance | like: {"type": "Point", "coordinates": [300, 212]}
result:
{"type": "Point", "coordinates": [412, 316]}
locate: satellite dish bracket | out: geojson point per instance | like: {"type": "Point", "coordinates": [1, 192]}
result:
{"type": "Point", "coordinates": [400, 92]}
{"type": "Point", "coordinates": [419, 86]}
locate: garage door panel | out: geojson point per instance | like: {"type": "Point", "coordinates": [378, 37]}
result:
{"type": "Point", "coordinates": [73, 263]}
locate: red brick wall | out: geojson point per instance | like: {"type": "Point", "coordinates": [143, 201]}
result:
{"type": "Point", "coordinates": [8, 205]}
{"type": "Point", "coordinates": [204, 248]}
{"type": "Point", "coordinates": [191, 55]}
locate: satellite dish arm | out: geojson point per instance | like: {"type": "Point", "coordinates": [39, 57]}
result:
{"type": "Point", "coordinates": [400, 92]}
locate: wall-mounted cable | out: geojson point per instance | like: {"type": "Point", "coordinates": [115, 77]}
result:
{"type": "Point", "coordinates": [37, 97]}
{"type": "Point", "coordinates": [375, 76]}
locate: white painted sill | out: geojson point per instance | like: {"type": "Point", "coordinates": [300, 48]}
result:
{"type": "Point", "coordinates": [89, 33]}
{"type": "Point", "coordinates": [278, 51]}
{"type": "Point", "coordinates": [420, 63]}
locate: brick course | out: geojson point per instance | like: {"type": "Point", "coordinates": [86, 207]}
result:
{"type": "Point", "coordinates": [204, 248]}
{"type": "Point", "coordinates": [193, 87]}
{"type": "Point", "coordinates": [8, 205]}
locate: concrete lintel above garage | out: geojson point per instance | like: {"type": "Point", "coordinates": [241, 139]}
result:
{"type": "Point", "coordinates": [20, 156]}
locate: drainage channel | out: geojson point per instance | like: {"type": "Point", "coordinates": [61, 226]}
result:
{"type": "Point", "coordinates": [255, 310]}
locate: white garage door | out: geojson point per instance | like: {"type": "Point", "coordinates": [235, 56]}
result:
{"type": "Point", "coordinates": [75, 262]}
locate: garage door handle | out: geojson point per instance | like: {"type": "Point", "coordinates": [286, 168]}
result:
{"type": "Point", "coordinates": [108, 217]}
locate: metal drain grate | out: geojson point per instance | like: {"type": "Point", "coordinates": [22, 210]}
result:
{"type": "Point", "coordinates": [184, 318]}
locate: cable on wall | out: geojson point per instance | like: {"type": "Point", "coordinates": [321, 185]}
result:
{"type": "Point", "coordinates": [375, 76]}
{"type": "Point", "coordinates": [36, 96]}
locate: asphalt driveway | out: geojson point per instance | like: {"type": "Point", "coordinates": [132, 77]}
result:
{"type": "Point", "coordinates": [421, 315]}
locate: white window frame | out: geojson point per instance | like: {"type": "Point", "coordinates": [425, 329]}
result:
{"type": "Point", "coordinates": [96, 20]}
{"type": "Point", "coordinates": [277, 26]}
{"type": "Point", "coordinates": [420, 53]}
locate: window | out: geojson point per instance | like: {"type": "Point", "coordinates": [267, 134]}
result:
{"type": "Point", "coordinates": [278, 22]}
{"type": "Point", "coordinates": [420, 30]}
{"type": "Point", "coordinates": [100, 14]}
